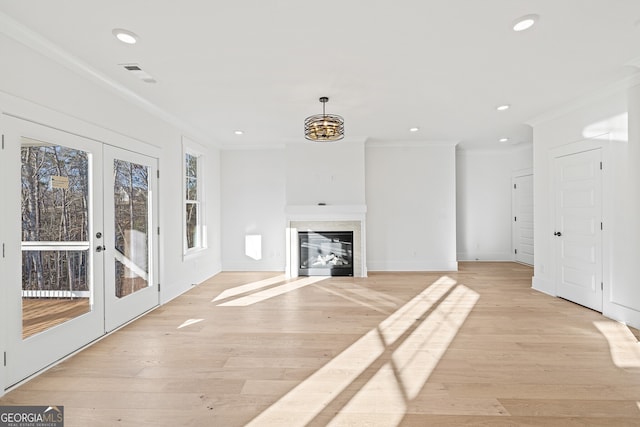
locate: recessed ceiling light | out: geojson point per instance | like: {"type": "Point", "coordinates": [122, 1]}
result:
{"type": "Point", "coordinates": [414, 129]}
{"type": "Point", "coordinates": [503, 107]}
{"type": "Point", "coordinates": [125, 36]}
{"type": "Point", "coordinates": [525, 22]}
{"type": "Point", "coordinates": [504, 139]}
{"type": "Point", "coordinates": [238, 132]}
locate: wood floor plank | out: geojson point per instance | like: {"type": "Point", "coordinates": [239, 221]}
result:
{"type": "Point", "coordinates": [474, 347]}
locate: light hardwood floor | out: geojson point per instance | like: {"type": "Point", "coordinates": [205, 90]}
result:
{"type": "Point", "coordinates": [475, 347]}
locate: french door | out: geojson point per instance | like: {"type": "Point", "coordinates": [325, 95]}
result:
{"type": "Point", "coordinates": [79, 258]}
{"type": "Point", "coordinates": [54, 277]}
{"type": "Point", "coordinates": [129, 242]}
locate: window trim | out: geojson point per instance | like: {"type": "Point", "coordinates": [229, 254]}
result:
{"type": "Point", "coordinates": [197, 151]}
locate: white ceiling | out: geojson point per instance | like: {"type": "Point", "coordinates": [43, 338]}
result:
{"type": "Point", "coordinates": [261, 65]}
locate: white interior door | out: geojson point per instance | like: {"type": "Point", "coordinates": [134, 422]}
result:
{"type": "Point", "coordinates": [52, 271]}
{"type": "Point", "coordinates": [523, 218]}
{"type": "Point", "coordinates": [578, 228]}
{"type": "Point", "coordinates": [131, 250]}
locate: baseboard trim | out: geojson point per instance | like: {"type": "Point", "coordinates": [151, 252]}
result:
{"type": "Point", "coordinates": [543, 285]}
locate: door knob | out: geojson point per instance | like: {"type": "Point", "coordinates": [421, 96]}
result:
{"type": "Point", "coordinates": [557, 233]}
{"type": "Point", "coordinates": [100, 248]}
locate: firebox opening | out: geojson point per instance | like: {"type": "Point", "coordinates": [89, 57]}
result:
{"type": "Point", "coordinates": [326, 253]}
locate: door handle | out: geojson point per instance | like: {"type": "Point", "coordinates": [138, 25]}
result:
{"type": "Point", "coordinates": [101, 248]}
{"type": "Point", "coordinates": [557, 233]}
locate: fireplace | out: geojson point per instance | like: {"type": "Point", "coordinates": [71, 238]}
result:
{"type": "Point", "coordinates": [325, 218]}
{"type": "Point", "coordinates": [325, 253]}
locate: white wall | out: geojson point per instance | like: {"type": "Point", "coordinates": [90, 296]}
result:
{"type": "Point", "coordinates": [326, 173]}
{"type": "Point", "coordinates": [411, 207]}
{"type": "Point", "coordinates": [602, 122]}
{"type": "Point", "coordinates": [624, 290]}
{"type": "Point", "coordinates": [410, 198]}
{"type": "Point", "coordinates": [258, 185]}
{"type": "Point", "coordinates": [484, 189]}
{"type": "Point", "coordinates": [253, 201]}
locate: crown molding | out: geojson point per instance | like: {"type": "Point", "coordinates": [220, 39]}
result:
{"type": "Point", "coordinates": [36, 42]}
{"type": "Point", "coordinates": [253, 147]}
{"type": "Point", "coordinates": [410, 144]}
{"type": "Point", "coordinates": [493, 149]}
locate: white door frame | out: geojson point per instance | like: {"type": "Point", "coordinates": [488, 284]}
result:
{"type": "Point", "coordinates": [4, 226]}
{"type": "Point", "coordinates": [602, 142]}
{"type": "Point", "coordinates": [514, 224]}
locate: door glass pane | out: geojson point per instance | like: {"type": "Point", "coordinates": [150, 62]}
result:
{"type": "Point", "coordinates": [131, 201]}
{"type": "Point", "coordinates": [55, 235]}
{"type": "Point", "coordinates": [51, 304]}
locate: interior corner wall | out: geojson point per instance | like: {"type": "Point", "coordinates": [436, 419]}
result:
{"type": "Point", "coordinates": [484, 218]}
{"type": "Point", "coordinates": [71, 101]}
{"type": "Point", "coordinates": [612, 122]}
{"type": "Point", "coordinates": [411, 207]}
{"type": "Point", "coordinates": [253, 203]}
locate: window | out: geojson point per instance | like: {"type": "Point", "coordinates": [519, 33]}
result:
{"type": "Point", "coordinates": [194, 236]}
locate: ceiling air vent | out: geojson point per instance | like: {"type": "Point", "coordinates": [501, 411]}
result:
{"type": "Point", "coordinates": [139, 73]}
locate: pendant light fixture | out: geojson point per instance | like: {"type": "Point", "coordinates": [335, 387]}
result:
{"type": "Point", "coordinates": [324, 127]}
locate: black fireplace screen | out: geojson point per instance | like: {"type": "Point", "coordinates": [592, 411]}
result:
{"type": "Point", "coordinates": [326, 253]}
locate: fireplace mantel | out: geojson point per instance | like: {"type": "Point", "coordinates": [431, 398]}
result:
{"type": "Point", "coordinates": [326, 218]}
{"type": "Point", "coordinates": [322, 212]}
